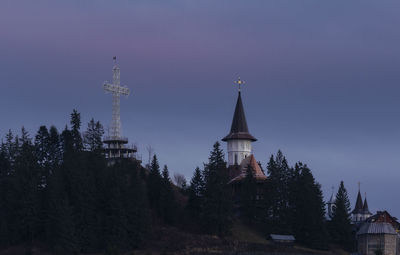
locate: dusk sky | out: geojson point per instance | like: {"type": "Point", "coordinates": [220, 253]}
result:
{"type": "Point", "coordinates": [322, 79]}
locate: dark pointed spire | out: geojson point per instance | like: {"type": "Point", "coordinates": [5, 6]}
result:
{"type": "Point", "coordinates": [239, 129]}
{"type": "Point", "coordinates": [365, 206]}
{"type": "Point", "coordinates": [359, 205]}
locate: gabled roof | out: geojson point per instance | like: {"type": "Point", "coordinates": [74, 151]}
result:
{"type": "Point", "coordinates": [376, 228]}
{"type": "Point", "coordinates": [257, 172]}
{"type": "Point", "coordinates": [359, 205]}
{"type": "Point", "coordinates": [384, 216]}
{"type": "Point", "coordinates": [239, 129]}
{"type": "Point", "coordinates": [275, 237]}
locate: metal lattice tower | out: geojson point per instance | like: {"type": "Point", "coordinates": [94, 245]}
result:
{"type": "Point", "coordinates": [116, 90]}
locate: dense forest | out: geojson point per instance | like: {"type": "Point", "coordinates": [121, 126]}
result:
{"type": "Point", "coordinates": [56, 188]}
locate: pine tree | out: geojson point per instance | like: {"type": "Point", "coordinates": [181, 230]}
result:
{"type": "Point", "coordinates": [217, 198]}
{"type": "Point", "coordinates": [278, 200]}
{"type": "Point", "coordinates": [75, 131]}
{"type": "Point", "coordinates": [10, 149]}
{"type": "Point", "coordinates": [42, 146]}
{"type": "Point", "coordinates": [25, 190]}
{"type": "Point", "coordinates": [168, 203]}
{"type": "Point", "coordinates": [93, 136]}
{"type": "Point", "coordinates": [308, 221]}
{"type": "Point", "coordinates": [196, 195]}
{"type": "Point", "coordinates": [341, 230]}
{"type": "Point", "coordinates": [154, 185]}
{"type": "Point", "coordinates": [54, 149]}
{"type": "Point", "coordinates": [4, 197]}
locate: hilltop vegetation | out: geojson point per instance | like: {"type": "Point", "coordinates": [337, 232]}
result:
{"type": "Point", "coordinates": [57, 191]}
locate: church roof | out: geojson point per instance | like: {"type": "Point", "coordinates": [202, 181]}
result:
{"type": "Point", "coordinates": [239, 129]}
{"type": "Point", "coordinates": [332, 199]}
{"type": "Point", "coordinates": [257, 172]}
{"type": "Point", "coordinates": [358, 209]}
{"type": "Point", "coordinates": [365, 207]}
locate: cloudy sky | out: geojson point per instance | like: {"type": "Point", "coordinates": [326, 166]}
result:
{"type": "Point", "coordinates": [322, 79]}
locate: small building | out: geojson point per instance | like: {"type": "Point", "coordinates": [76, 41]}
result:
{"type": "Point", "coordinates": [283, 240]}
{"type": "Point", "coordinates": [240, 156]}
{"type": "Point", "coordinates": [377, 236]}
{"type": "Point", "coordinates": [379, 232]}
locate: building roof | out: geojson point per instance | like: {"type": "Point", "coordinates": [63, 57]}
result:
{"type": "Point", "coordinates": [257, 172]}
{"type": "Point", "coordinates": [377, 228]}
{"type": "Point", "coordinates": [275, 237]}
{"type": "Point", "coordinates": [332, 199]}
{"type": "Point", "coordinates": [365, 207]}
{"type": "Point", "coordinates": [384, 217]}
{"type": "Point", "coordinates": [239, 129]}
{"type": "Point", "coordinates": [358, 209]}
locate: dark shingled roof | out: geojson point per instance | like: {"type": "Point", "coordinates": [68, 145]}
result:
{"type": "Point", "coordinates": [377, 228]}
{"type": "Point", "coordinates": [359, 205]}
{"type": "Point", "coordinates": [239, 129]}
{"type": "Point", "coordinates": [365, 207]}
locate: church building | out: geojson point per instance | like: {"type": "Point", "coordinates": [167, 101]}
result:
{"type": "Point", "coordinates": [239, 147]}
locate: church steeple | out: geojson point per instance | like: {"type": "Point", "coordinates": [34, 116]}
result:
{"type": "Point", "coordinates": [239, 139]}
{"type": "Point", "coordinates": [358, 209]}
{"type": "Point", "coordinates": [365, 206]}
{"type": "Point", "coordinates": [239, 129]}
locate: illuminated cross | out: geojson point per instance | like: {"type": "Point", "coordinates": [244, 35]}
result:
{"type": "Point", "coordinates": [239, 82]}
{"type": "Point", "coordinates": [117, 90]}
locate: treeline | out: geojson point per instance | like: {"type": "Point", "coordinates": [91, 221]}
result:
{"type": "Point", "coordinates": [57, 189]}
{"type": "Point", "coordinates": [290, 201]}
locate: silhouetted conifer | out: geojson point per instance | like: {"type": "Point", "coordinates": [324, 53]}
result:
{"type": "Point", "coordinates": [168, 204]}
{"type": "Point", "coordinates": [154, 185]}
{"type": "Point", "coordinates": [75, 122]}
{"type": "Point", "coordinates": [308, 221]}
{"type": "Point", "coordinates": [341, 230]}
{"type": "Point", "coordinates": [278, 200]}
{"type": "Point", "coordinates": [93, 136]}
{"type": "Point", "coordinates": [217, 215]}
{"type": "Point", "coordinates": [196, 195]}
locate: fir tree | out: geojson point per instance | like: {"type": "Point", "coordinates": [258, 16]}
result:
{"type": "Point", "coordinates": [341, 230]}
{"type": "Point", "coordinates": [167, 198]}
{"type": "Point", "coordinates": [25, 190]}
{"type": "Point", "coordinates": [93, 136]}
{"type": "Point", "coordinates": [42, 146]}
{"type": "Point", "coordinates": [217, 198]}
{"type": "Point", "coordinates": [308, 209]}
{"type": "Point", "coordinates": [54, 150]}
{"type": "Point", "coordinates": [278, 200]}
{"type": "Point", "coordinates": [196, 194]}
{"type": "Point", "coordinates": [154, 185]}
{"type": "Point", "coordinates": [77, 143]}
